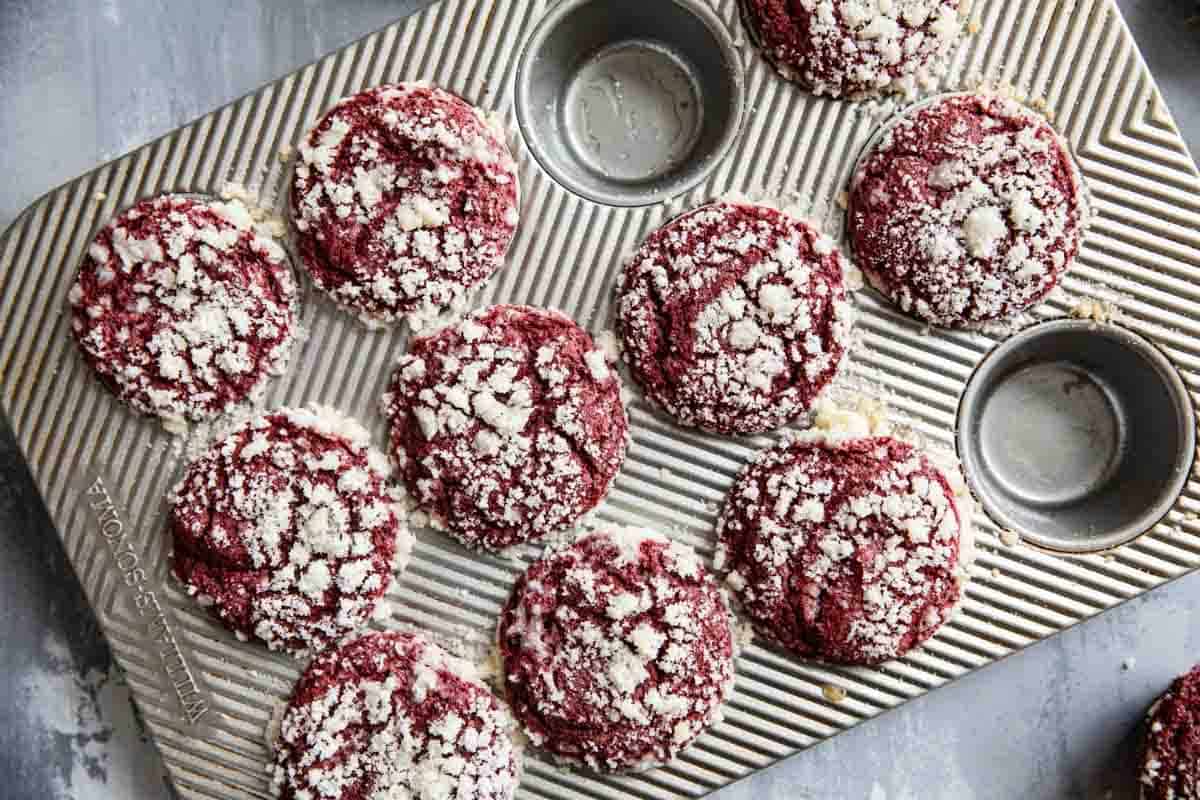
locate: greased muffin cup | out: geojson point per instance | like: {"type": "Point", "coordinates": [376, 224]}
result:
{"type": "Point", "coordinates": [627, 103]}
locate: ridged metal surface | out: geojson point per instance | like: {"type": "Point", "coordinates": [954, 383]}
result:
{"type": "Point", "coordinates": [1143, 248]}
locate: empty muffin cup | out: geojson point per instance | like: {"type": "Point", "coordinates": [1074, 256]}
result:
{"type": "Point", "coordinates": [1075, 435]}
{"type": "Point", "coordinates": [628, 102]}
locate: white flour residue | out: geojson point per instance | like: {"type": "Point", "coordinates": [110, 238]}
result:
{"type": "Point", "coordinates": [85, 724]}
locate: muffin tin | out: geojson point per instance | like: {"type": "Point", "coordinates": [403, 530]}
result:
{"type": "Point", "coordinates": [1079, 437]}
{"type": "Point", "coordinates": [104, 472]}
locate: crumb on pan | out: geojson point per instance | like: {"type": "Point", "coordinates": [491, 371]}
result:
{"type": "Point", "coordinates": [834, 694]}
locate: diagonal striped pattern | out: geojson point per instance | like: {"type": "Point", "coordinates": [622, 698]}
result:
{"type": "Point", "coordinates": [1144, 248]}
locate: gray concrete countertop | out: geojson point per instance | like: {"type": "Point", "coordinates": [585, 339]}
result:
{"type": "Point", "coordinates": [82, 81]}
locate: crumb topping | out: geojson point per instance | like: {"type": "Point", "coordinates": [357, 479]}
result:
{"type": "Point", "coordinates": [405, 198]}
{"type": "Point", "coordinates": [858, 48]}
{"type": "Point", "coordinates": [287, 528]}
{"type": "Point", "coordinates": [508, 426]}
{"type": "Point", "coordinates": [968, 210]}
{"type": "Point", "coordinates": [840, 548]}
{"type": "Point", "coordinates": [184, 306]}
{"type": "Point", "coordinates": [734, 317]}
{"type": "Point", "coordinates": [617, 650]}
{"type": "Point", "coordinates": [834, 694]}
{"type": "Point", "coordinates": [389, 716]}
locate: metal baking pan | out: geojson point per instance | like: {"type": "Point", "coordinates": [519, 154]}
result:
{"type": "Point", "coordinates": [103, 472]}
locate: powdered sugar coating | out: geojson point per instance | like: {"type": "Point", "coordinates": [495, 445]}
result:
{"type": "Point", "coordinates": [842, 549]}
{"type": "Point", "coordinates": [856, 48]}
{"type": "Point", "coordinates": [405, 198]}
{"type": "Point", "coordinates": [1171, 751]}
{"type": "Point", "coordinates": [968, 210]}
{"type": "Point", "coordinates": [734, 317]}
{"type": "Point", "coordinates": [507, 426]}
{"type": "Point", "coordinates": [617, 650]}
{"type": "Point", "coordinates": [391, 715]}
{"type": "Point", "coordinates": [287, 528]}
{"type": "Point", "coordinates": [183, 307]}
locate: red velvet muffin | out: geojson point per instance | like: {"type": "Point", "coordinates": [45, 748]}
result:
{"type": "Point", "coordinates": [391, 715]}
{"type": "Point", "coordinates": [1171, 753]}
{"type": "Point", "coordinates": [405, 199]}
{"type": "Point", "coordinates": [617, 650]}
{"type": "Point", "coordinates": [842, 549]}
{"type": "Point", "coordinates": [507, 426]}
{"type": "Point", "coordinates": [733, 318]}
{"type": "Point", "coordinates": [968, 210]}
{"type": "Point", "coordinates": [183, 307]}
{"type": "Point", "coordinates": [287, 529]}
{"type": "Point", "coordinates": [856, 48]}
